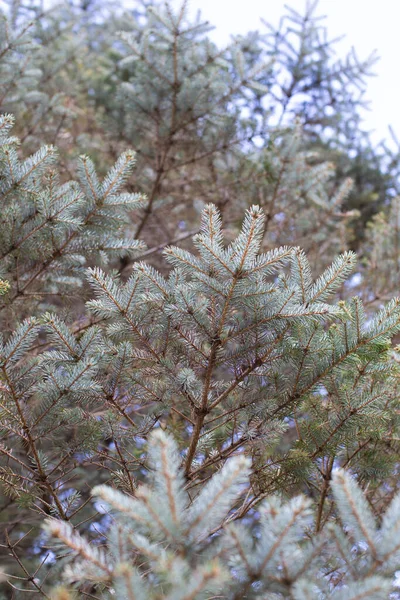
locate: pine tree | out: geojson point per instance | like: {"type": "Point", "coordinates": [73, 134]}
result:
{"type": "Point", "coordinates": [102, 77]}
{"type": "Point", "coordinates": [37, 57]}
{"type": "Point", "coordinates": [232, 355]}
{"type": "Point", "coordinates": [208, 111]}
{"type": "Point", "coordinates": [164, 544]}
{"type": "Point", "coordinates": [278, 390]}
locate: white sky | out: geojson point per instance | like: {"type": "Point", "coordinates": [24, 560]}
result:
{"type": "Point", "coordinates": [366, 24]}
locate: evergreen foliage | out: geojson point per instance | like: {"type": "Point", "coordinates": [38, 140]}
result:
{"type": "Point", "coordinates": [162, 543]}
{"type": "Point", "coordinates": [49, 229]}
{"type": "Point", "coordinates": [152, 333]}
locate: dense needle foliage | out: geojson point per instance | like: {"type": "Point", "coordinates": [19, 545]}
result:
{"type": "Point", "coordinates": [199, 378]}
